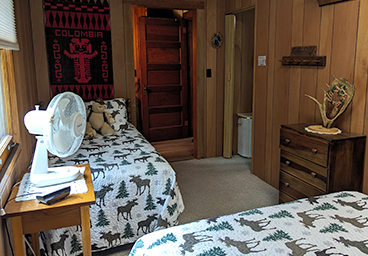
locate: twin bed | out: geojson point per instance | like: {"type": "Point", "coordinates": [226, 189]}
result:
{"type": "Point", "coordinates": [136, 194]}
{"type": "Point", "coordinates": [135, 188]}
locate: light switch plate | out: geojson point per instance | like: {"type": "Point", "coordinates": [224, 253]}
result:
{"type": "Point", "coordinates": [261, 61]}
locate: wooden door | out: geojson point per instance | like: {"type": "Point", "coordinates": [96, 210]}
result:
{"type": "Point", "coordinates": [163, 83]}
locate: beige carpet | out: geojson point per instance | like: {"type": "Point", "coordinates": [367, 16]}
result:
{"type": "Point", "coordinates": [219, 186]}
{"type": "Point", "coordinates": [213, 187]}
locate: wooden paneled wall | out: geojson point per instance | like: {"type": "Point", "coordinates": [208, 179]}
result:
{"type": "Point", "coordinates": [234, 6]}
{"type": "Point", "coordinates": [25, 79]}
{"type": "Point", "coordinates": [26, 98]}
{"type": "Point", "coordinates": [214, 86]}
{"type": "Point", "coordinates": [339, 32]}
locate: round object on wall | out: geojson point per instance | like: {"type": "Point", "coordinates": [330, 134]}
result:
{"type": "Point", "coordinates": [216, 40]}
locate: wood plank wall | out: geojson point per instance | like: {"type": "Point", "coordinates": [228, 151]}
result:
{"type": "Point", "coordinates": [339, 32]}
{"type": "Point", "coordinates": [213, 83]}
{"type": "Point", "coordinates": [25, 79]}
{"type": "Point", "coordinates": [26, 98]}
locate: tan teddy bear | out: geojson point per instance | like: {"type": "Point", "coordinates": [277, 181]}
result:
{"type": "Point", "coordinates": [98, 121]}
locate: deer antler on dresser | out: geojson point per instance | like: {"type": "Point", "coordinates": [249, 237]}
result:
{"type": "Point", "coordinates": [335, 100]}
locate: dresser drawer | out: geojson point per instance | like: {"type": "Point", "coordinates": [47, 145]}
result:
{"type": "Point", "coordinates": [297, 188]}
{"type": "Point", "coordinates": [303, 169]}
{"type": "Point", "coordinates": [284, 198]}
{"type": "Point", "coordinates": [304, 146]}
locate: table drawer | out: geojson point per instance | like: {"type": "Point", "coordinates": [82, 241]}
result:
{"type": "Point", "coordinates": [306, 147]}
{"type": "Point", "coordinates": [297, 188]}
{"type": "Point", "coordinates": [305, 170]}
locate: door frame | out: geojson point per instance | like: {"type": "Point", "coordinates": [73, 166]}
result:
{"type": "Point", "coordinates": [230, 23]}
{"type": "Point", "coordinates": [199, 61]}
{"type": "Point", "coordinates": [230, 27]}
{"type": "Point", "coordinates": [191, 17]}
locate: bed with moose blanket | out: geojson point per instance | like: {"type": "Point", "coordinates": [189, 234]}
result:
{"type": "Point", "coordinates": [135, 189]}
{"type": "Point", "coordinates": [333, 224]}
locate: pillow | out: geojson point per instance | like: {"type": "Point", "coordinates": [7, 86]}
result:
{"type": "Point", "coordinates": [117, 108]}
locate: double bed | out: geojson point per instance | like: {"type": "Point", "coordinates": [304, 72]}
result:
{"type": "Point", "coordinates": [135, 188]}
{"type": "Point", "coordinates": [333, 224]}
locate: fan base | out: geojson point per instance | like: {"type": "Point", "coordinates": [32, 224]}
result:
{"type": "Point", "coordinates": [54, 176]}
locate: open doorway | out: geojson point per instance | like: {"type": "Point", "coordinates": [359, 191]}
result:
{"type": "Point", "coordinates": [239, 55]}
{"type": "Point", "coordinates": [243, 80]}
{"type": "Point", "coordinates": [163, 42]}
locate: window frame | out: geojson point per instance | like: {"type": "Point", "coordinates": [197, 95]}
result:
{"type": "Point", "coordinates": [9, 89]}
{"type": "Point", "coordinates": [10, 144]}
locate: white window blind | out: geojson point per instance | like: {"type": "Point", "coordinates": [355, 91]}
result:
{"type": "Point", "coordinates": [8, 34]}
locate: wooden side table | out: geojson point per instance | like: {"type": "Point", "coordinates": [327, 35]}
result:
{"type": "Point", "coordinates": [31, 217]}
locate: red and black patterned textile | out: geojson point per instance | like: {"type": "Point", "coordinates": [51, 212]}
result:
{"type": "Point", "coordinates": [78, 42]}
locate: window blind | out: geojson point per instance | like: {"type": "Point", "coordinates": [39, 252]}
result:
{"type": "Point", "coordinates": [8, 34]}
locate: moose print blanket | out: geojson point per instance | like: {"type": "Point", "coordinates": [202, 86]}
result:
{"type": "Point", "coordinates": [135, 189]}
{"type": "Point", "coordinates": [333, 224]}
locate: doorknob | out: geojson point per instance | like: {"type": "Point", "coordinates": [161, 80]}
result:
{"type": "Point", "coordinates": [145, 91]}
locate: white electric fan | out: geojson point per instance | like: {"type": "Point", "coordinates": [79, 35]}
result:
{"type": "Point", "coordinates": [61, 128]}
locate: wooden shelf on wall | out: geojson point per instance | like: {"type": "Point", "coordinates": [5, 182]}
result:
{"type": "Point", "coordinates": [304, 60]}
{"type": "Point", "coordinates": [303, 56]}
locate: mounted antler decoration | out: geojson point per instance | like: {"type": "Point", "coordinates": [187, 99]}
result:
{"type": "Point", "coordinates": [335, 101]}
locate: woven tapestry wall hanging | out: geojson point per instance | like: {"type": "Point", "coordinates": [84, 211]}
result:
{"type": "Point", "coordinates": [78, 43]}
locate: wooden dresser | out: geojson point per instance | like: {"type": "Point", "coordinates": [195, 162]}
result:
{"type": "Point", "coordinates": [313, 164]}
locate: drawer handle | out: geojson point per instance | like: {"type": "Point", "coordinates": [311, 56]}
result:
{"type": "Point", "coordinates": [314, 150]}
{"type": "Point", "coordinates": [287, 141]}
{"type": "Point", "coordinates": [287, 184]}
{"type": "Point", "coordinates": [287, 162]}
{"type": "Point", "coordinates": [313, 174]}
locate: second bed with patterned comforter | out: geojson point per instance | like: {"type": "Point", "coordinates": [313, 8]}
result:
{"type": "Point", "coordinates": [333, 224]}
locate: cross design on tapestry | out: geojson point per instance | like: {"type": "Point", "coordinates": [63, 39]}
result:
{"type": "Point", "coordinates": [81, 53]}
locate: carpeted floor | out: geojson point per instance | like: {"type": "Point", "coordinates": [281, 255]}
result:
{"type": "Point", "coordinates": [213, 187]}
{"type": "Point", "coordinates": [218, 186]}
